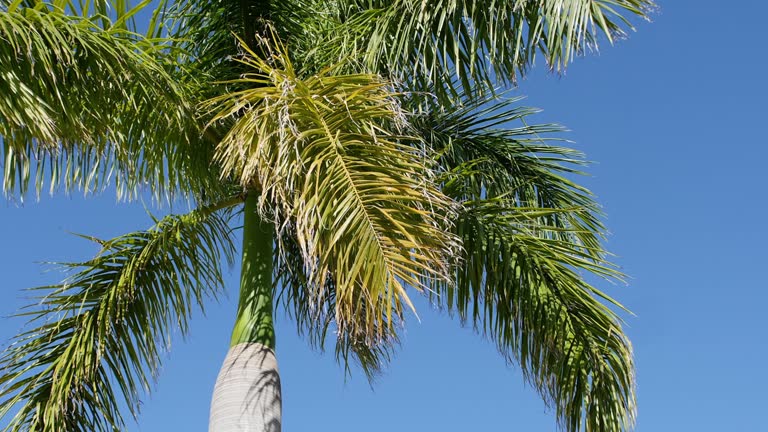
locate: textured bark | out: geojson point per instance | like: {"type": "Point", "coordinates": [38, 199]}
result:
{"type": "Point", "coordinates": [247, 395]}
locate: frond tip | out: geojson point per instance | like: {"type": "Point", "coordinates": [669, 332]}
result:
{"type": "Point", "coordinates": [98, 334]}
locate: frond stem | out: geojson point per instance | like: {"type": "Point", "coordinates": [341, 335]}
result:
{"type": "Point", "coordinates": [225, 203]}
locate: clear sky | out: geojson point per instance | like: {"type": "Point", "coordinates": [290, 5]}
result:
{"type": "Point", "coordinates": [675, 119]}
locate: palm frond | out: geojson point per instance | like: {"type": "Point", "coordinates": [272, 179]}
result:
{"type": "Point", "coordinates": [479, 42]}
{"type": "Point", "coordinates": [521, 284]}
{"type": "Point", "coordinates": [325, 155]}
{"type": "Point", "coordinates": [207, 32]}
{"type": "Point", "coordinates": [98, 337]}
{"type": "Point", "coordinates": [530, 235]}
{"type": "Point", "coordinates": [487, 149]}
{"type": "Point", "coordinates": [83, 102]}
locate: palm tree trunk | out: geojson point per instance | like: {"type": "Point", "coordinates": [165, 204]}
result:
{"type": "Point", "coordinates": [247, 395]}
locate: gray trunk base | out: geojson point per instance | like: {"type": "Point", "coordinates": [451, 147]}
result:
{"type": "Point", "coordinates": [247, 395]}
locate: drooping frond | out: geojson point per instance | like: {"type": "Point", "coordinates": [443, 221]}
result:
{"type": "Point", "coordinates": [530, 235]}
{"type": "Point", "coordinates": [521, 285]}
{"type": "Point", "coordinates": [480, 42]}
{"type": "Point", "coordinates": [98, 338]}
{"type": "Point", "coordinates": [325, 154]}
{"type": "Point", "coordinates": [84, 102]}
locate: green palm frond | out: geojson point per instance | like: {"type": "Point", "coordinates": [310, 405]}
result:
{"type": "Point", "coordinates": [521, 285]}
{"type": "Point", "coordinates": [83, 102]}
{"type": "Point", "coordinates": [207, 32]}
{"type": "Point", "coordinates": [98, 337]}
{"type": "Point", "coordinates": [487, 149]}
{"type": "Point", "coordinates": [325, 154]}
{"type": "Point", "coordinates": [530, 234]}
{"type": "Point", "coordinates": [479, 42]}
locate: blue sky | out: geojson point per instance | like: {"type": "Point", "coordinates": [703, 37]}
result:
{"type": "Point", "coordinates": [674, 119]}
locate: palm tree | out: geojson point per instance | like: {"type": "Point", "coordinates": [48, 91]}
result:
{"type": "Point", "coordinates": [367, 146]}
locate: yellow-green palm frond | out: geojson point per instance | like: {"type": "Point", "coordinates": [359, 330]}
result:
{"type": "Point", "coordinates": [98, 338]}
{"type": "Point", "coordinates": [326, 157]}
{"type": "Point", "coordinates": [315, 317]}
{"type": "Point", "coordinates": [83, 102]}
